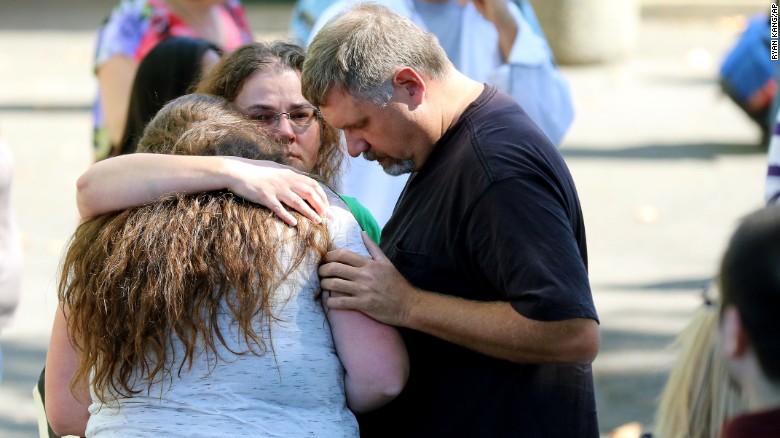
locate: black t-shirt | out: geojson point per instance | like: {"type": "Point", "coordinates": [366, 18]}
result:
{"type": "Point", "coordinates": [492, 216]}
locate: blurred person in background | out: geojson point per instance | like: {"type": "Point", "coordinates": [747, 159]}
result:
{"type": "Point", "coordinates": [10, 245]}
{"type": "Point", "coordinates": [171, 69]}
{"type": "Point", "coordinates": [749, 325]}
{"type": "Point", "coordinates": [699, 395]}
{"type": "Point", "coordinates": [131, 30]}
{"type": "Point", "coordinates": [201, 315]}
{"type": "Point", "coordinates": [497, 42]}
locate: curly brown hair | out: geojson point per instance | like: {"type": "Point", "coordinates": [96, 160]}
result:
{"type": "Point", "coordinates": [227, 79]}
{"type": "Point", "coordinates": [136, 279]}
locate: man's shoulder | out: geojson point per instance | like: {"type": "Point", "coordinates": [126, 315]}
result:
{"type": "Point", "coordinates": [499, 110]}
{"type": "Point", "coordinates": [504, 138]}
{"type": "Point", "coordinates": [496, 119]}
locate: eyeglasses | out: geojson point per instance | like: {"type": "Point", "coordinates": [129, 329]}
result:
{"type": "Point", "coordinates": [301, 117]}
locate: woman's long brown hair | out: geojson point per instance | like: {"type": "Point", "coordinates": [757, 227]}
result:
{"type": "Point", "coordinates": [133, 280]}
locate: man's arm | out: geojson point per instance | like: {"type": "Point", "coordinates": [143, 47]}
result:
{"type": "Point", "coordinates": [374, 287]}
{"type": "Point", "coordinates": [136, 179]}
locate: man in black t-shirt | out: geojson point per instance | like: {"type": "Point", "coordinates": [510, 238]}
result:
{"type": "Point", "coordinates": [483, 264]}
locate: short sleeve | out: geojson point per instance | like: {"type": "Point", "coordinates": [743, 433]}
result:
{"type": "Point", "coordinates": [122, 31]}
{"type": "Point", "coordinates": [345, 232]}
{"type": "Point", "coordinates": [521, 239]}
{"type": "Point", "coordinates": [364, 217]}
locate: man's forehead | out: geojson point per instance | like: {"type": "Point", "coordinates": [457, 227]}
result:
{"type": "Point", "coordinates": [339, 107]}
{"type": "Point", "coordinates": [338, 97]}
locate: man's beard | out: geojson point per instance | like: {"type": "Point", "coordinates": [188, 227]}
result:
{"type": "Point", "coordinates": [394, 167]}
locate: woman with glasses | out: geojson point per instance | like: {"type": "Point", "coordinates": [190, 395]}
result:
{"type": "Point", "coordinates": [263, 79]}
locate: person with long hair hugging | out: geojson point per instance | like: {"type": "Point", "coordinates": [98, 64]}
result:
{"type": "Point", "coordinates": [265, 80]}
{"type": "Point", "coordinates": [201, 314]}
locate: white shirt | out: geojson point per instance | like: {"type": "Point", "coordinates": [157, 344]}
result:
{"type": "Point", "coordinates": [296, 391]}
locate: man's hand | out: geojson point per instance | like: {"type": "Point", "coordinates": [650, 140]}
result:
{"type": "Point", "coordinates": [277, 184]}
{"type": "Point", "coordinates": [371, 285]}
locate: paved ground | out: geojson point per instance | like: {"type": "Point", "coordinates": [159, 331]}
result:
{"type": "Point", "coordinates": [665, 165]}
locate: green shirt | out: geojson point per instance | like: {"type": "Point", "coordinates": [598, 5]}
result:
{"type": "Point", "coordinates": [364, 218]}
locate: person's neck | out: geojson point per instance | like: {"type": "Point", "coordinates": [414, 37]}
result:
{"type": "Point", "coordinates": [450, 96]}
{"type": "Point", "coordinates": [203, 18]}
{"type": "Point", "coordinates": [458, 92]}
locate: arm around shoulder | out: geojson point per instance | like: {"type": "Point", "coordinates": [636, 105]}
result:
{"type": "Point", "coordinates": [136, 179]}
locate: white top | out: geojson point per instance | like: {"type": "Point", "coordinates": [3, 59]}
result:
{"type": "Point", "coordinates": [296, 392]}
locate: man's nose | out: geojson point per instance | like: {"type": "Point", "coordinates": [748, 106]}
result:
{"type": "Point", "coordinates": [355, 145]}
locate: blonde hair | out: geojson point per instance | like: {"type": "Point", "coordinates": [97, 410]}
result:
{"type": "Point", "coordinates": [360, 50]}
{"type": "Point", "coordinates": [136, 279]}
{"type": "Point", "coordinates": [699, 395]}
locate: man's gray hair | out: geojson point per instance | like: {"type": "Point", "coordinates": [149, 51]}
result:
{"type": "Point", "coordinates": [360, 50]}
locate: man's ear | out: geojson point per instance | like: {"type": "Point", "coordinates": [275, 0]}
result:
{"type": "Point", "coordinates": [735, 339]}
{"type": "Point", "coordinates": [410, 84]}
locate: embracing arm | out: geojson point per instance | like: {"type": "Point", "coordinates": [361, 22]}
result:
{"type": "Point", "coordinates": [373, 355]}
{"type": "Point", "coordinates": [66, 412]}
{"type": "Point", "coordinates": [136, 179]}
{"type": "Point", "coordinates": [375, 287]}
